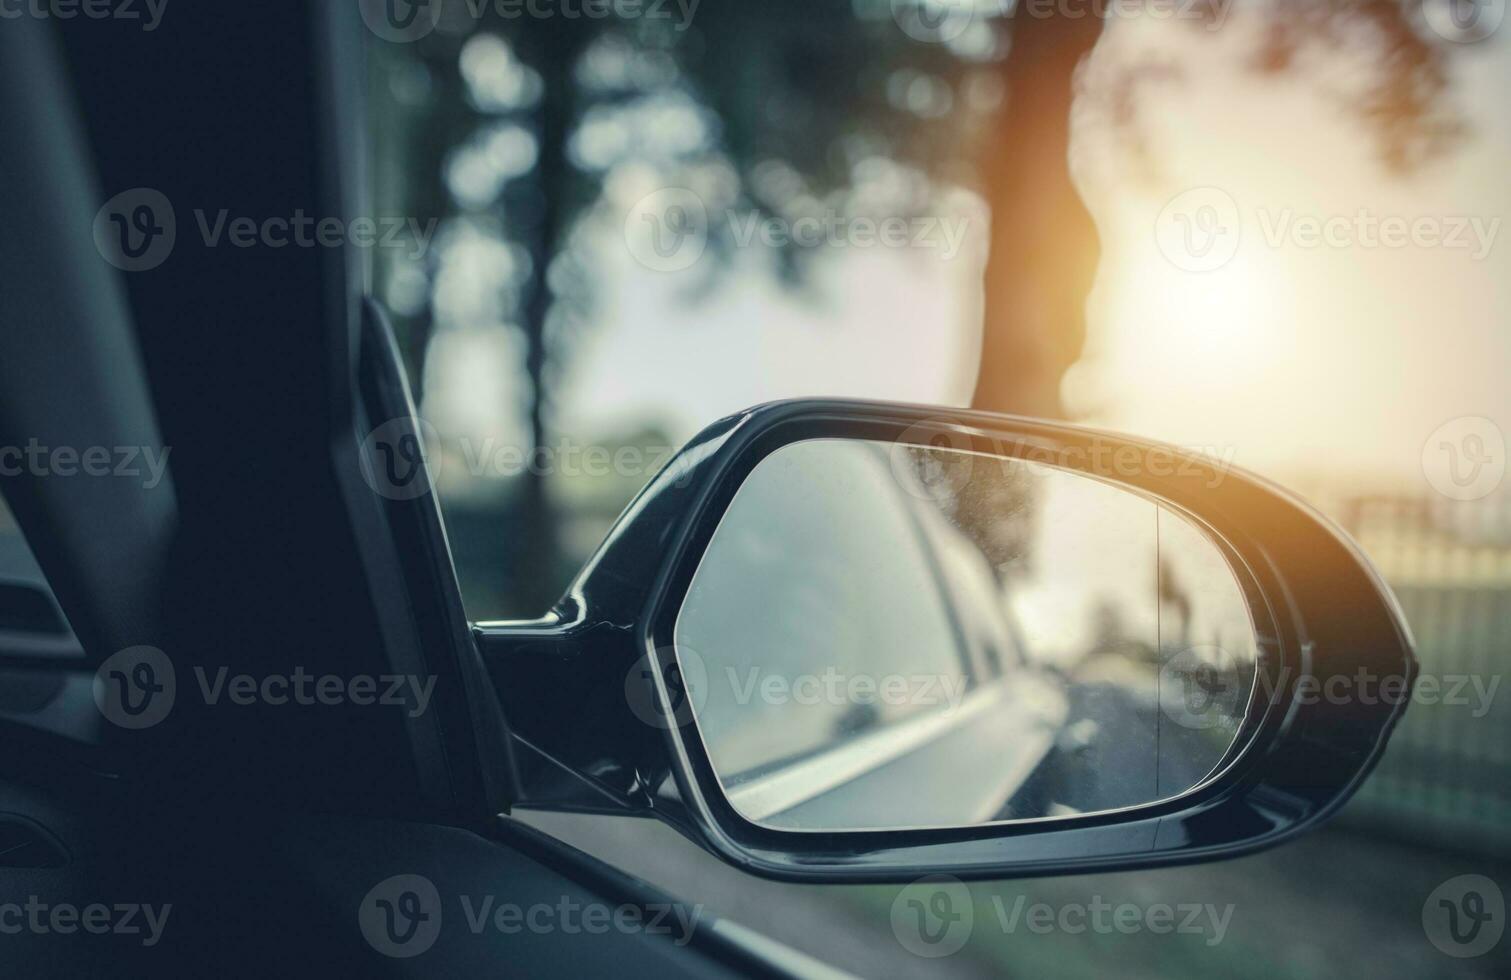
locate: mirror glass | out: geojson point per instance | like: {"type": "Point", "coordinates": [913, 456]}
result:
{"type": "Point", "coordinates": [898, 636]}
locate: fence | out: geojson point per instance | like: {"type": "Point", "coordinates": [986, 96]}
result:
{"type": "Point", "coordinates": [1446, 777]}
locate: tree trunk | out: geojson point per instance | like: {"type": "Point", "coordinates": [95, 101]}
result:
{"type": "Point", "coordinates": [1044, 247]}
{"type": "Point", "coordinates": [537, 556]}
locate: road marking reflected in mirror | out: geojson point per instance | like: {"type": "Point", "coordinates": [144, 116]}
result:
{"type": "Point", "coordinates": [791, 786]}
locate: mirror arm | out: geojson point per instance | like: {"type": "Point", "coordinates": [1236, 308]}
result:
{"type": "Point", "coordinates": [579, 747]}
{"type": "Point", "coordinates": [556, 786]}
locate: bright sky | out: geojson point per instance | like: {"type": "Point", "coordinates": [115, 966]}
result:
{"type": "Point", "coordinates": [1294, 359]}
{"type": "Point", "coordinates": [1300, 359]}
{"type": "Point", "coordinates": [876, 323]}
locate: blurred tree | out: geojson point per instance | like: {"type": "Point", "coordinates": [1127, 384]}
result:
{"type": "Point", "coordinates": [1044, 249]}
{"type": "Point", "coordinates": [795, 98]}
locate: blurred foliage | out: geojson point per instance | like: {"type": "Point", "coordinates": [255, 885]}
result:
{"type": "Point", "coordinates": [511, 128]}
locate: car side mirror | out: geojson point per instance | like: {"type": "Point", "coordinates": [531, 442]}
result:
{"type": "Point", "coordinates": [850, 641]}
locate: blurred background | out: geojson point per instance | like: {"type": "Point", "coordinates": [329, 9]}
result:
{"type": "Point", "coordinates": [1265, 230]}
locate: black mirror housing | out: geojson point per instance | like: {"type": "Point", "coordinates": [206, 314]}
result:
{"type": "Point", "coordinates": [594, 696]}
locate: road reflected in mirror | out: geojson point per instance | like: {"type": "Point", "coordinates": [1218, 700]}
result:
{"type": "Point", "coordinates": [902, 636]}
